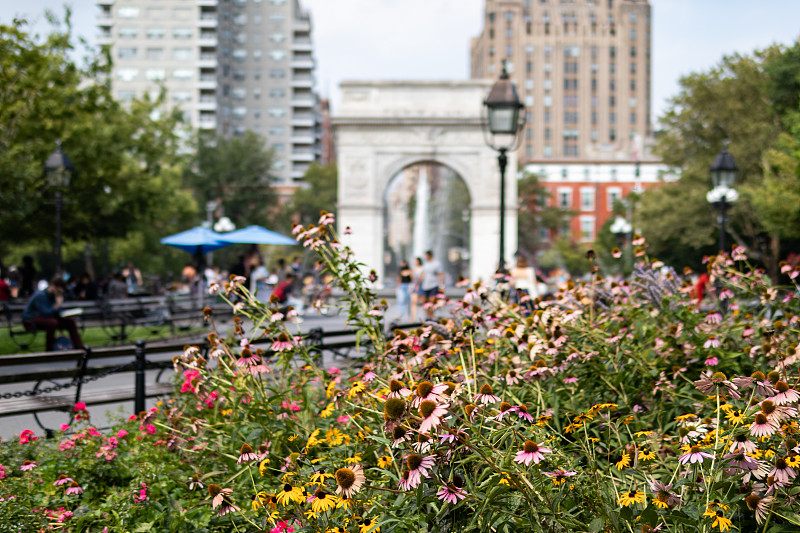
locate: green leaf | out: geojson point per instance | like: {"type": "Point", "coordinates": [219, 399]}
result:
{"type": "Point", "coordinates": [596, 525]}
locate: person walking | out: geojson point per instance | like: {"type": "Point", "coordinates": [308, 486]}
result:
{"type": "Point", "coordinates": [416, 290]}
{"type": "Point", "coordinates": [524, 278]}
{"type": "Point", "coordinates": [27, 275]}
{"type": "Point", "coordinates": [43, 312]}
{"type": "Point", "coordinates": [404, 278]}
{"type": "Point", "coordinates": [431, 279]}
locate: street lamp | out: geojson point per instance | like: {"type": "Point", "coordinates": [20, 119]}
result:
{"type": "Point", "coordinates": [723, 175]}
{"type": "Point", "coordinates": [58, 170]}
{"type": "Point", "coordinates": [503, 119]}
{"type": "Point", "coordinates": [621, 228]}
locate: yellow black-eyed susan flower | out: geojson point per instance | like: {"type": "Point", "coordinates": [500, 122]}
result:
{"type": "Point", "coordinates": [631, 497]}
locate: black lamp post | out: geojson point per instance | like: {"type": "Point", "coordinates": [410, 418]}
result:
{"type": "Point", "coordinates": [58, 170]}
{"type": "Point", "coordinates": [504, 118]}
{"type": "Point", "coordinates": [723, 175]}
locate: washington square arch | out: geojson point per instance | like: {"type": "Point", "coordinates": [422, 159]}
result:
{"type": "Point", "coordinates": [415, 174]}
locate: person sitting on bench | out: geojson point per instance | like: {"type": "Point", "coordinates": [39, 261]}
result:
{"type": "Point", "coordinates": [43, 312]}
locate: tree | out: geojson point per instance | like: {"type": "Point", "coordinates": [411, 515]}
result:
{"type": "Point", "coordinates": [734, 102]}
{"type": "Point", "coordinates": [318, 193]}
{"type": "Point", "coordinates": [534, 213]}
{"type": "Point", "coordinates": [234, 171]}
{"type": "Point", "coordinates": [125, 160]}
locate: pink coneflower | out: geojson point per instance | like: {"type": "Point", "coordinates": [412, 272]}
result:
{"type": "Point", "coordinates": [711, 361]}
{"type": "Point", "coordinates": [777, 413]}
{"type": "Point", "coordinates": [761, 506]}
{"type": "Point", "coordinates": [73, 488]}
{"type": "Point", "coordinates": [522, 412]}
{"type": "Point", "coordinates": [220, 498]}
{"type": "Point", "coordinates": [694, 455]}
{"type": "Point", "coordinates": [505, 408]}
{"type": "Point", "coordinates": [282, 343]}
{"type": "Point", "coordinates": [349, 480]}
{"type": "Point", "coordinates": [431, 414]}
{"type": "Point", "coordinates": [27, 466]}
{"type": "Point", "coordinates": [570, 380]}
{"type": "Point", "coordinates": [741, 442]}
{"type": "Point", "coordinates": [398, 390]}
{"type": "Point", "coordinates": [785, 394]}
{"type": "Point", "coordinates": [712, 384]}
{"type": "Point", "coordinates": [452, 492]}
{"type": "Point", "coordinates": [62, 480]}
{"type": "Point", "coordinates": [246, 454]}
{"type": "Point", "coordinates": [740, 460]}
{"type": "Point", "coordinates": [418, 467]}
{"type": "Point", "coordinates": [195, 482]}
{"type": "Point", "coordinates": [26, 436]}
{"type": "Point", "coordinates": [453, 436]}
{"type": "Point", "coordinates": [782, 472]}
{"type": "Point", "coordinates": [531, 452]}
{"type": "Point", "coordinates": [485, 396]}
{"type": "Point", "coordinates": [712, 342]}
{"type": "Point", "coordinates": [664, 493]}
{"type": "Point", "coordinates": [762, 426]}
{"type": "Point", "coordinates": [369, 375]}
{"type": "Point", "coordinates": [400, 435]}
{"type": "Point", "coordinates": [248, 358]}
{"type": "Point", "coordinates": [512, 378]}
{"type": "Point", "coordinates": [428, 391]}
{"type": "Point", "coordinates": [559, 476]}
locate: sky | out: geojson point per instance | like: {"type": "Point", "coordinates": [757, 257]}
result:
{"type": "Point", "coordinates": [429, 39]}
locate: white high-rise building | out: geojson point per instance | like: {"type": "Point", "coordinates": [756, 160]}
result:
{"type": "Point", "coordinates": [229, 65]}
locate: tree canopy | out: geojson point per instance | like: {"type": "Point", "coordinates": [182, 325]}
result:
{"type": "Point", "coordinates": [749, 103]}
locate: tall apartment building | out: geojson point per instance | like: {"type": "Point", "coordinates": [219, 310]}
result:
{"type": "Point", "coordinates": [229, 65]}
{"type": "Point", "coordinates": [582, 68]}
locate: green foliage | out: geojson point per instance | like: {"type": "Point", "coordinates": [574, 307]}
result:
{"type": "Point", "coordinates": [126, 177]}
{"type": "Point", "coordinates": [748, 101]}
{"type": "Point", "coordinates": [318, 193]}
{"type": "Point", "coordinates": [534, 213]}
{"type": "Point", "coordinates": [234, 171]}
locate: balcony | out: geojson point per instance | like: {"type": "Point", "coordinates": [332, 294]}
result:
{"type": "Point", "coordinates": [303, 155]}
{"type": "Point", "coordinates": [302, 119]}
{"type": "Point", "coordinates": [207, 123]}
{"type": "Point", "coordinates": [104, 38]}
{"type": "Point", "coordinates": [208, 38]}
{"type": "Point", "coordinates": [207, 104]}
{"type": "Point", "coordinates": [207, 60]}
{"type": "Point", "coordinates": [303, 102]}
{"type": "Point", "coordinates": [207, 20]}
{"type": "Point", "coordinates": [302, 25]}
{"type": "Point", "coordinates": [302, 63]}
{"type": "Point", "coordinates": [302, 45]}
{"type": "Point", "coordinates": [207, 81]}
{"type": "Point", "coordinates": [301, 140]}
{"type": "Point", "coordinates": [302, 80]}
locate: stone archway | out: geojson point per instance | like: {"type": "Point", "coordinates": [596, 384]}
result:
{"type": "Point", "coordinates": [383, 127]}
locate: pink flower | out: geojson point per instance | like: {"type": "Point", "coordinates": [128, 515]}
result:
{"type": "Point", "coordinates": [452, 492]}
{"type": "Point", "coordinates": [418, 467]}
{"type": "Point", "coordinates": [2, 471]}
{"type": "Point", "coordinates": [64, 427]}
{"type": "Point", "coordinates": [26, 436]}
{"type": "Point", "coordinates": [28, 466]}
{"type": "Point", "coordinates": [73, 488]}
{"type": "Point", "coordinates": [142, 496]}
{"type": "Point", "coordinates": [694, 455]}
{"type": "Point", "coordinates": [432, 414]}
{"type": "Point", "coordinates": [121, 433]}
{"type": "Point", "coordinates": [282, 343]}
{"type": "Point", "coordinates": [292, 406]}
{"type": "Point", "coordinates": [190, 380]}
{"type": "Point", "coordinates": [80, 406]}
{"type": "Point", "coordinates": [343, 419]}
{"type": "Point", "coordinates": [486, 395]}
{"type": "Point", "coordinates": [150, 428]}
{"type": "Point", "coordinates": [531, 452]}
{"type": "Point", "coordinates": [62, 480]}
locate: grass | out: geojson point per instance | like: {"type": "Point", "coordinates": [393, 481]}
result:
{"type": "Point", "coordinates": [96, 337]}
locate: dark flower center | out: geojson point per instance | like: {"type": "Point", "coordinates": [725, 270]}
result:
{"type": "Point", "coordinates": [399, 432]}
{"type": "Point", "coordinates": [741, 438]}
{"type": "Point", "coordinates": [767, 407]}
{"type": "Point", "coordinates": [780, 464]}
{"type": "Point", "coordinates": [424, 388]}
{"type": "Point", "coordinates": [345, 478]}
{"type": "Point", "coordinates": [458, 481]}
{"type": "Point", "coordinates": [395, 386]}
{"type": "Point", "coordinates": [214, 489]}
{"type": "Point", "coordinates": [761, 419]}
{"type": "Point", "coordinates": [752, 501]}
{"type": "Point", "coordinates": [394, 408]}
{"type": "Point", "coordinates": [426, 408]}
{"type": "Point", "coordinates": [718, 377]}
{"type": "Point", "coordinates": [414, 461]}
{"type": "Point", "coordinates": [486, 389]}
{"type": "Point", "coordinates": [246, 448]}
{"type": "Point", "coordinates": [287, 488]}
{"type": "Point", "coordinates": [530, 447]}
{"type": "Point", "coordinates": [505, 406]}
{"type": "Point", "coordinates": [781, 386]}
{"type": "Point", "coordinates": [320, 494]}
{"type": "Point", "coordinates": [694, 449]}
{"type": "Point", "coordinates": [522, 409]}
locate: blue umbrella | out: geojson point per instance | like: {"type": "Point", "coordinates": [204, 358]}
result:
{"type": "Point", "coordinates": [255, 235]}
{"type": "Point", "coordinates": [196, 241]}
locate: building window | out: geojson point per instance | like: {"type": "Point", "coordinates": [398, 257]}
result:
{"type": "Point", "coordinates": [127, 32]}
{"type": "Point", "coordinates": [509, 50]}
{"type": "Point", "coordinates": [594, 84]}
{"type": "Point", "coordinates": [155, 74]}
{"type": "Point", "coordinates": [277, 73]}
{"type": "Point", "coordinates": [612, 136]}
{"type": "Point", "coordinates": [239, 93]}
{"type": "Point", "coordinates": [528, 150]}
{"type": "Point", "coordinates": [277, 37]}
{"type": "Point", "coordinates": [633, 68]}
{"type": "Point", "coordinates": [126, 52]}
{"type": "Point", "coordinates": [633, 34]}
{"type": "Point", "coordinates": [612, 52]}
{"type": "Point", "coordinates": [633, 118]}
{"type": "Point", "coordinates": [612, 101]}
{"type": "Point", "coordinates": [128, 12]}
{"type": "Point", "coordinates": [240, 19]}
{"type": "Point", "coordinates": [154, 54]}
{"type": "Point", "coordinates": [155, 33]}
{"type": "Point", "coordinates": [612, 118]}
{"type": "Point", "coordinates": [529, 50]}
{"type": "Point", "coordinates": [632, 17]}
{"type": "Point", "coordinates": [613, 169]}
{"type": "Point", "coordinates": [277, 55]}
{"type": "Point", "coordinates": [182, 33]}
{"type": "Point", "coordinates": [612, 85]}
{"type": "Point", "coordinates": [277, 93]}
{"type": "Point", "coordinates": [547, 133]}
{"type": "Point", "coordinates": [182, 73]}
{"type": "Point", "coordinates": [529, 84]}
{"type": "Point", "coordinates": [509, 33]}
{"type": "Point", "coordinates": [587, 198]}
{"type": "Point", "coordinates": [276, 130]}
{"type": "Point", "coordinates": [547, 117]}
{"type": "Point", "coordinates": [565, 197]}
{"type": "Point", "coordinates": [528, 134]}
{"type": "Point", "coordinates": [240, 54]}
{"type": "Point", "coordinates": [239, 112]}
{"type": "Point", "coordinates": [547, 151]}
{"type": "Point", "coordinates": [155, 13]}
{"type": "Point", "coordinates": [633, 85]}
{"type": "Point", "coordinates": [509, 16]}
{"type": "Point", "coordinates": [593, 135]}
{"type": "Point", "coordinates": [181, 96]}
{"type": "Point", "coordinates": [612, 68]}
{"type": "Point", "coordinates": [529, 101]}
{"type": "Point", "coordinates": [613, 195]}
{"type": "Point", "coordinates": [571, 84]}
{"type": "Point", "coordinates": [633, 51]}
{"type": "Point", "coordinates": [548, 100]}
{"type": "Point", "coordinates": [570, 150]}
{"type": "Point", "coordinates": [587, 228]}
{"type": "Point", "coordinates": [277, 111]}
{"type": "Point", "coordinates": [127, 74]}
{"type": "Point", "coordinates": [529, 67]}
{"type": "Point", "coordinates": [182, 54]}
{"type": "Point", "coordinates": [126, 96]}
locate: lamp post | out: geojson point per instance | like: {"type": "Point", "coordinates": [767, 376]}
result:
{"type": "Point", "coordinates": [503, 120]}
{"type": "Point", "coordinates": [621, 228]}
{"type": "Point", "coordinates": [723, 175]}
{"type": "Point", "coordinates": [58, 169]}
